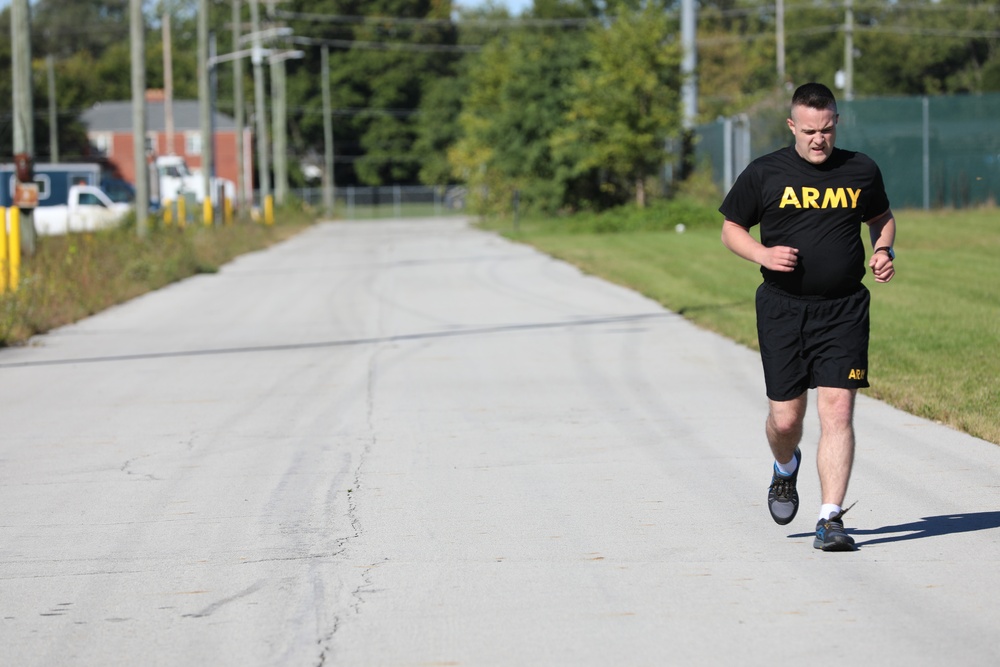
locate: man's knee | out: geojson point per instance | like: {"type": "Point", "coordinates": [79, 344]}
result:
{"type": "Point", "coordinates": [785, 417]}
{"type": "Point", "coordinates": [836, 407]}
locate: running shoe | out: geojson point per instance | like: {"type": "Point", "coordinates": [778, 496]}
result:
{"type": "Point", "coordinates": [830, 534]}
{"type": "Point", "coordinates": [782, 498]}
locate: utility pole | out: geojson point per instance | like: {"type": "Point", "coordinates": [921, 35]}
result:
{"type": "Point", "coordinates": [848, 50]}
{"type": "Point", "coordinates": [280, 128]}
{"type": "Point", "coordinates": [329, 179]}
{"type": "Point", "coordinates": [23, 106]}
{"type": "Point", "coordinates": [168, 84]}
{"type": "Point", "coordinates": [238, 104]}
{"type": "Point", "coordinates": [279, 107]}
{"type": "Point", "coordinates": [263, 159]}
{"type": "Point", "coordinates": [138, 55]}
{"type": "Point", "coordinates": [50, 69]}
{"type": "Point", "coordinates": [204, 107]}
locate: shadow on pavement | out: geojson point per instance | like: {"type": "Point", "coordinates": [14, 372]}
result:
{"type": "Point", "coordinates": [928, 526]}
{"type": "Point", "coordinates": [447, 333]}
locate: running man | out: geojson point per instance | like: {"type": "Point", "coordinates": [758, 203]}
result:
{"type": "Point", "coordinates": [810, 199]}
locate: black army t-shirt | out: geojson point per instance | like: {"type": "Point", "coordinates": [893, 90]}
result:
{"type": "Point", "coordinates": [815, 208]}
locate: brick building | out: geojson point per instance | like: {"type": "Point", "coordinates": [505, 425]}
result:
{"type": "Point", "coordinates": [109, 129]}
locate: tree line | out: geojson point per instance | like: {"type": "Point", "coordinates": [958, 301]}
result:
{"type": "Point", "coordinates": [574, 105]}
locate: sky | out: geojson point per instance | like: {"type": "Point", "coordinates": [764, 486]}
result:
{"type": "Point", "coordinates": [515, 7]}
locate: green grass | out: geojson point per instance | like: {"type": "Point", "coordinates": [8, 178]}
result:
{"type": "Point", "coordinates": [76, 275]}
{"type": "Point", "coordinates": [935, 349]}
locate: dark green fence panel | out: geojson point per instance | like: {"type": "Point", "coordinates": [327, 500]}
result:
{"type": "Point", "coordinates": [934, 151]}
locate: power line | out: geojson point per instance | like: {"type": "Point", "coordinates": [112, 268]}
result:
{"type": "Point", "coordinates": [935, 32]}
{"type": "Point", "coordinates": [832, 28]}
{"type": "Point", "coordinates": [393, 20]}
{"type": "Point", "coordinates": [386, 46]}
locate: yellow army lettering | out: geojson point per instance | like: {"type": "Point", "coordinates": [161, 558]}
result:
{"type": "Point", "coordinates": [856, 374]}
{"type": "Point", "coordinates": [813, 198]}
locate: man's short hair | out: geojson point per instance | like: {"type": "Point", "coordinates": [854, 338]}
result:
{"type": "Point", "coordinates": [814, 96]}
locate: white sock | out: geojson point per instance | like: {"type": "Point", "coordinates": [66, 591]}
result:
{"type": "Point", "coordinates": [787, 469]}
{"type": "Point", "coordinates": [827, 510]}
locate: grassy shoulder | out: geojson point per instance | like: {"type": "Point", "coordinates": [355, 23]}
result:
{"type": "Point", "coordinates": [76, 275]}
{"type": "Point", "coordinates": [935, 327]}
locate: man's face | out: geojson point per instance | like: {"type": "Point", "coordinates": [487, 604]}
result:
{"type": "Point", "coordinates": [815, 131]}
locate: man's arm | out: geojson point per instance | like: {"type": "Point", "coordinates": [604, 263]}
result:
{"type": "Point", "coordinates": [882, 229]}
{"type": "Point", "coordinates": [737, 238]}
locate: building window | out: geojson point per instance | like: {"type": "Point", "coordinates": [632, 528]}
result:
{"type": "Point", "coordinates": [192, 143]}
{"type": "Point", "coordinates": [101, 143]}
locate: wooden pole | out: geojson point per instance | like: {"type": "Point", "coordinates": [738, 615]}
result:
{"type": "Point", "coordinates": [23, 107]}
{"type": "Point", "coordinates": [238, 106]}
{"type": "Point", "coordinates": [138, 56]}
{"type": "Point", "coordinates": [329, 178]}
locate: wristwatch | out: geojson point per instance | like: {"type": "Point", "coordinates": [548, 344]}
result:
{"type": "Point", "coordinates": [888, 251]}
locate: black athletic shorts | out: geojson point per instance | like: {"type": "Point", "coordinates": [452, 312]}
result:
{"type": "Point", "coordinates": [809, 342]}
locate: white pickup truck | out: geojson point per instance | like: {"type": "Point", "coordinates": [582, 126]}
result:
{"type": "Point", "coordinates": [88, 208]}
{"type": "Point", "coordinates": [72, 197]}
{"type": "Point", "coordinates": [176, 180]}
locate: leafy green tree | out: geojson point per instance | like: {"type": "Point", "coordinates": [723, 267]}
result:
{"type": "Point", "coordinates": [926, 48]}
{"type": "Point", "coordinates": [737, 56]}
{"type": "Point", "coordinates": [63, 28]}
{"type": "Point", "coordinates": [626, 104]}
{"type": "Point", "coordinates": [437, 128]}
{"type": "Point", "coordinates": [516, 101]}
{"type": "Point", "coordinates": [380, 68]}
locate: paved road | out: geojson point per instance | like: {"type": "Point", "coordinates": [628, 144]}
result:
{"type": "Point", "coordinates": [412, 443]}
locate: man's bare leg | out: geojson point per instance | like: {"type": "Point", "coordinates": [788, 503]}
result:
{"type": "Point", "coordinates": [835, 457]}
{"type": "Point", "coordinates": [784, 427]}
{"type": "Point", "coordinates": [784, 431]}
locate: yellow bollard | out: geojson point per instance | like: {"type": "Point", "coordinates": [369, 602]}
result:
{"type": "Point", "coordinates": [3, 249]}
{"type": "Point", "coordinates": [207, 212]}
{"type": "Point", "coordinates": [269, 210]}
{"type": "Point", "coordinates": [168, 212]}
{"type": "Point", "coordinates": [227, 207]}
{"type": "Point", "coordinates": [181, 212]}
{"type": "Point", "coordinates": [14, 243]}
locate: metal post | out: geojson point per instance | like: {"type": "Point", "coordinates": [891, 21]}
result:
{"type": "Point", "coordinates": [689, 83]}
{"type": "Point", "coordinates": [138, 58]}
{"type": "Point", "coordinates": [727, 153]}
{"type": "Point", "coordinates": [927, 151]}
{"type": "Point", "coordinates": [779, 20]}
{"type": "Point", "coordinates": [848, 50]}
{"type": "Point", "coordinates": [14, 254]}
{"type": "Point", "coordinates": [4, 272]}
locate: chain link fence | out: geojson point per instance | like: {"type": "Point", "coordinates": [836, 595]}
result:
{"type": "Point", "coordinates": [935, 152]}
{"type": "Point", "coordinates": [394, 201]}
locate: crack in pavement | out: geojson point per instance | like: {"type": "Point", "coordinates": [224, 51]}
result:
{"type": "Point", "coordinates": [325, 643]}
